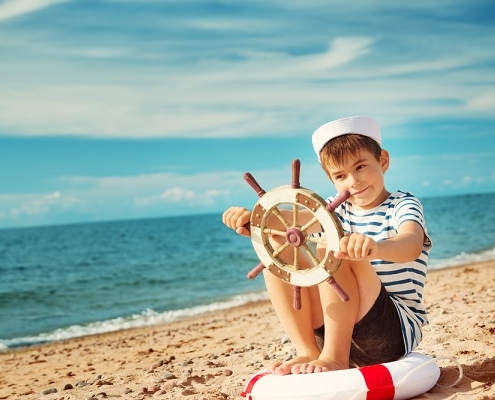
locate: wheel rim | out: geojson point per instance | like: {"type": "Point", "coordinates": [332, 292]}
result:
{"type": "Point", "coordinates": [295, 236]}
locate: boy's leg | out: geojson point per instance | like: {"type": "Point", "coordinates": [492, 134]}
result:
{"type": "Point", "coordinates": [362, 285]}
{"type": "Point", "coordinates": [299, 325]}
{"type": "Point", "coordinates": [321, 305]}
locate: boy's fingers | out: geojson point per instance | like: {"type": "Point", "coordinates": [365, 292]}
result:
{"type": "Point", "coordinates": [243, 231]}
{"type": "Point", "coordinates": [227, 216]}
{"type": "Point", "coordinates": [340, 255]}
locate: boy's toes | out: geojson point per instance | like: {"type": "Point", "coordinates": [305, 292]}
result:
{"type": "Point", "coordinates": [319, 368]}
{"type": "Point", "coordinates": [311, 368]}
{"type": "Point", "coordinates": [308, 368]}
{"type": "Point", "coordinates": [273, 367]}
{"type": "Point", "coordinates": [298, 369]}
{"type": "Point", "coordinates": [289, 367]}
{"type": "Point", "coordinates": [282, 369]}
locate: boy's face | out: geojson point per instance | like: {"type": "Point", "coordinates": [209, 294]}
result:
{"type": "Point", "coordinates": [362, 175]}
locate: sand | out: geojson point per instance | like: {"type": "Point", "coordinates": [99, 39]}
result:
{"type": "Point", "coordinates": [213, 356]}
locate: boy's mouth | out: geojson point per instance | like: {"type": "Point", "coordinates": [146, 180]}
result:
{"type": "Point", "coordinates": [360, 192]}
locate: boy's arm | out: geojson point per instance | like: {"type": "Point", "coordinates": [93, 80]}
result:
{"type": "Point", "coordinates": [404, 247]}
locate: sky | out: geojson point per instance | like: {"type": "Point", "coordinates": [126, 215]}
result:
{"type": "Point", "coordinates": [126, 109]}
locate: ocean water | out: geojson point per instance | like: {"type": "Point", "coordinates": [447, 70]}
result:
{"type": "Point", "coordinates": [59, 282]}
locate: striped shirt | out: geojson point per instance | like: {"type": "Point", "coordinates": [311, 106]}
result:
{"type": "Point", "coordinates": [403, 281]}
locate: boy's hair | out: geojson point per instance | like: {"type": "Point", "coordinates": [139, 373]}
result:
{"type": "Point", "coordinates": [336, 150]}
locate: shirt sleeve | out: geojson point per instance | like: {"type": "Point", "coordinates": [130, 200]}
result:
{"type": "Point", "coordinates": [410, 209]}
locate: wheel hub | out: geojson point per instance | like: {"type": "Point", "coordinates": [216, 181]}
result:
{"type": "Point", "coordinates": [295, 237]}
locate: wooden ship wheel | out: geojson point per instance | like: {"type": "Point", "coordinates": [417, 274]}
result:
{"type": "Point", "coordinates": [276, 214]}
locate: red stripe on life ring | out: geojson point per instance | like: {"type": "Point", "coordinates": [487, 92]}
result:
{"type": "Point", "coordinates": [379, 382]}
{"type": "Point", "coordinates": [252, 381]}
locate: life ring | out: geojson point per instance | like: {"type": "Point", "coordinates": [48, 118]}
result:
{"type": "Point", "coordinates": [403, 379]}
{"type": "Point", "coordinates": [294, 235]}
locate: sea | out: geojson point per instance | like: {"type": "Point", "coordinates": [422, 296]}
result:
{"type": "Point", "coordinates": [66, 281]}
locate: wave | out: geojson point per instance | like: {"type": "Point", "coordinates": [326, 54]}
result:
{"type": "Point", "coordinates": [148, 317]}
{"type": "Point", "coordinates": [462, 259]}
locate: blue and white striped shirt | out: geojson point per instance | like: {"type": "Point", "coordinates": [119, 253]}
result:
{"type": "Point", "coordinates": [403, 281]}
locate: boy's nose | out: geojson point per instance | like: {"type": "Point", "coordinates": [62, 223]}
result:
{"type": "Point", "coordinates": [353, 180]}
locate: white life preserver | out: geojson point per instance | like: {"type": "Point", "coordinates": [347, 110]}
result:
{"type": "Point", "coordinates": [402, 379]}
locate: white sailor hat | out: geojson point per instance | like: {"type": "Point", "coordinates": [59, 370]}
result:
{"type": "Point", "coordinates": [360, 125]}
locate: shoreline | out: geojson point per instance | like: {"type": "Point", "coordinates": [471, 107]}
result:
{"type": "Point", "coordinates": [211, 356]}
{"type": "Point", "coordinates": [164, 318]}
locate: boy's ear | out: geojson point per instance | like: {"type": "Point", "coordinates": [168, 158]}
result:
{"type": "Point", "coordinates": [384, 160]}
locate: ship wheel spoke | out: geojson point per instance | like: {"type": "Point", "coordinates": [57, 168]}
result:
{"type": "Point", "coordinates": [295, 215]}
{"type": "Point", "coordinates": [279, 215]}
{"type": "Point", "coordinates": [273, 232]}
{"type": "Point", "coordinates": [311, 255]}
{"type": "Point", "coordinates": [277, 252]}
{"type": "Point", "coordinates": [318, 240]}
{"type": "Point", "coordinates": [296, 259]}
{"type": "Point", "coordinates": [313, 221]}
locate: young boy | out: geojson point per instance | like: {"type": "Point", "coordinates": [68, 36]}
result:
{"type": "Point", "coordinates": [384, 257]}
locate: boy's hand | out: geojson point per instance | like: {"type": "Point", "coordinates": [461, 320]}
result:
{"type": "Point", "coordinates": [238, 219]}
{"type": "Point", "coordinates": [357, 246]}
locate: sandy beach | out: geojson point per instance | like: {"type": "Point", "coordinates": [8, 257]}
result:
{"type": "Point", "coordinates": [213, 356]}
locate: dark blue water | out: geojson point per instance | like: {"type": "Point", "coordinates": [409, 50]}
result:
{"type": "Point", "coordinates": [462, 228]}
{"type": "Point", "coordinates": [63, 281]}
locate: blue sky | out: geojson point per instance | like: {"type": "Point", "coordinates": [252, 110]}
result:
{"type": "Point", "coordinates": [117, 109]}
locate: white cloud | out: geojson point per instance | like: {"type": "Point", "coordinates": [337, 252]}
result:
{"type": "Point", "coordinates": [14, 8]}
{"type": "Point", "coordinates": [483, 102]}
{"type": "Point", "coordinates": [342, 51]}
{"type": "Point", "coordinates": [177, 194]}
{"type": "Point", "coordinates": [274, 67]}
{"type": "Point", "coordinates": [154, 189]}
{"type": "Point", "coordinates": [18, 206]}
{"type": "Point", "coordinates": [182, 195]}
{"type": "Point", "coordinates": [211, 195]}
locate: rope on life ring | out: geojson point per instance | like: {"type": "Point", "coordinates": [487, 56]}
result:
{"type": "Point", "coordinates": [459, 368]}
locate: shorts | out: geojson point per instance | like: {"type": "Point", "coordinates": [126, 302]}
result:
{"type": "Point", "coordinates": [377, 338]}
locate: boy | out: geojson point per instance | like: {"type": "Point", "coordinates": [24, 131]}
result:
{"type": "Point", "coordinates": [384, 258]}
